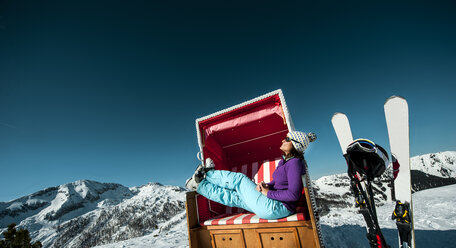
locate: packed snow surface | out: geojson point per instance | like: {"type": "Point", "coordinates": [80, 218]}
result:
{"type": "Point", "coordinates": [176, 236]}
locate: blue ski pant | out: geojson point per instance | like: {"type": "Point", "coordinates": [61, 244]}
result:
{"type": "Point", "coordinates": [237, 190]}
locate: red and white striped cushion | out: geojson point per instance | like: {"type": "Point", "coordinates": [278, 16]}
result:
{"type": "Point", "coordinates": [256, 171]}
{"type": "Point", "coordinates": [248, 218]}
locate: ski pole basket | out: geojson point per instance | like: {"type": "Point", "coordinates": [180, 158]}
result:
{"type": "Point", "coordinates": [246, 138]}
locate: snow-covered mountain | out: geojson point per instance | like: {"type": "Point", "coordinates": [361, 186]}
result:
{"type": "Point", "coordinates": [433, 170]}
{"type": "Point", "coordinates": [87, 213]}
{"type": "Point", "coordinates": [428, 171]}
{"type": "Point", "coordinates": [441, 164]}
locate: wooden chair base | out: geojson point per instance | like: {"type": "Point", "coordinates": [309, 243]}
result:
{"type": "Point", "coordinates": [283, 234]}
{"type": "Point", "coordinates": [267, 235]}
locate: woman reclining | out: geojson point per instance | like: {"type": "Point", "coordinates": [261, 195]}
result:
{"type": "Point", "coordinates": [273, 200]}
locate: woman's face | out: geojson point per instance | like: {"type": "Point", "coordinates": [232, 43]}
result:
{"type": "Point", "coordinates": [286, 146]}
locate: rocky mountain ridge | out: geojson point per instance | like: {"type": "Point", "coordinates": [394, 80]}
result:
{"type": "Point", "coordinates": [87, 213]}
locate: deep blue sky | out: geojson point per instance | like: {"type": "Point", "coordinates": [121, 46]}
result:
{"type": "Point", "coordinates": [110, 90]}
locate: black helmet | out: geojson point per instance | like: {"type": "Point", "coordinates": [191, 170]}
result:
{"type": "Point", "coordinates": [366, 158]}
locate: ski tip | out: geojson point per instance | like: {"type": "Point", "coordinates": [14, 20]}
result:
{"type": "Point", "coordinates": [394, 97]}
{"type": "Point", "coordinates": [338, 114]}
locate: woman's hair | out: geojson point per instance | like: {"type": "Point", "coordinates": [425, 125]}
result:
{"type": "Point", "coordinates": [294, 153]}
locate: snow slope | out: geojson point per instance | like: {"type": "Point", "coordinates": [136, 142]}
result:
{"type": "Point", "coordinates": [434, 216]}
{"type": "Point", "coordinates": [175, 235]}
{"type": "Point", "coordinates": [434, 209]}
{"type": "Point", "coordinates": [87, 213]}
{"type": "Point", "coordinates": [435, 224]}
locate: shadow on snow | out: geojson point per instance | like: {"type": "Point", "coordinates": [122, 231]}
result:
{"type": "Point", "coordinates": [352, 236]}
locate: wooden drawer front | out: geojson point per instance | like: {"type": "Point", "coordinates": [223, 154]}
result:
{"type": "Point", "coordinates": [279, 237]}
{"type": "Point", "coordinates": [227, 239]}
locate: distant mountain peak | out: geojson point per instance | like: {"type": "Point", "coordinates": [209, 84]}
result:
{"type": "Point", "coordinates": [56, 215]}
{"type": "Point", "coordinates": [441, 164]}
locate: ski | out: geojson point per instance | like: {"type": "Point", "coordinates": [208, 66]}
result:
{"type": "Point", "coordinates": [362, 190]}
{"type": "Point", "coordinates": [344, 135]}
{"type": "Point", "coordinates": [397, 122]}
{"type": "Point", "coordinates": [343, 130]}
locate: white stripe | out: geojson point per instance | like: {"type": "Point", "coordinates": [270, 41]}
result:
{"type": "Point", "coordinates": [208, 222]}
{"type": "Point", "coordinates": [239, 219]}
{"type": "Point", "coordinates": [254, 219]}
{"type": "Point", "coordinates": [223, 221]}
{"type": "Point", "coordinates": [293, 217]}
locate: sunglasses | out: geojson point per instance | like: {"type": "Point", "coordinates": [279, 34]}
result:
{"type": "Point", "coordinates": [288, 139]}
